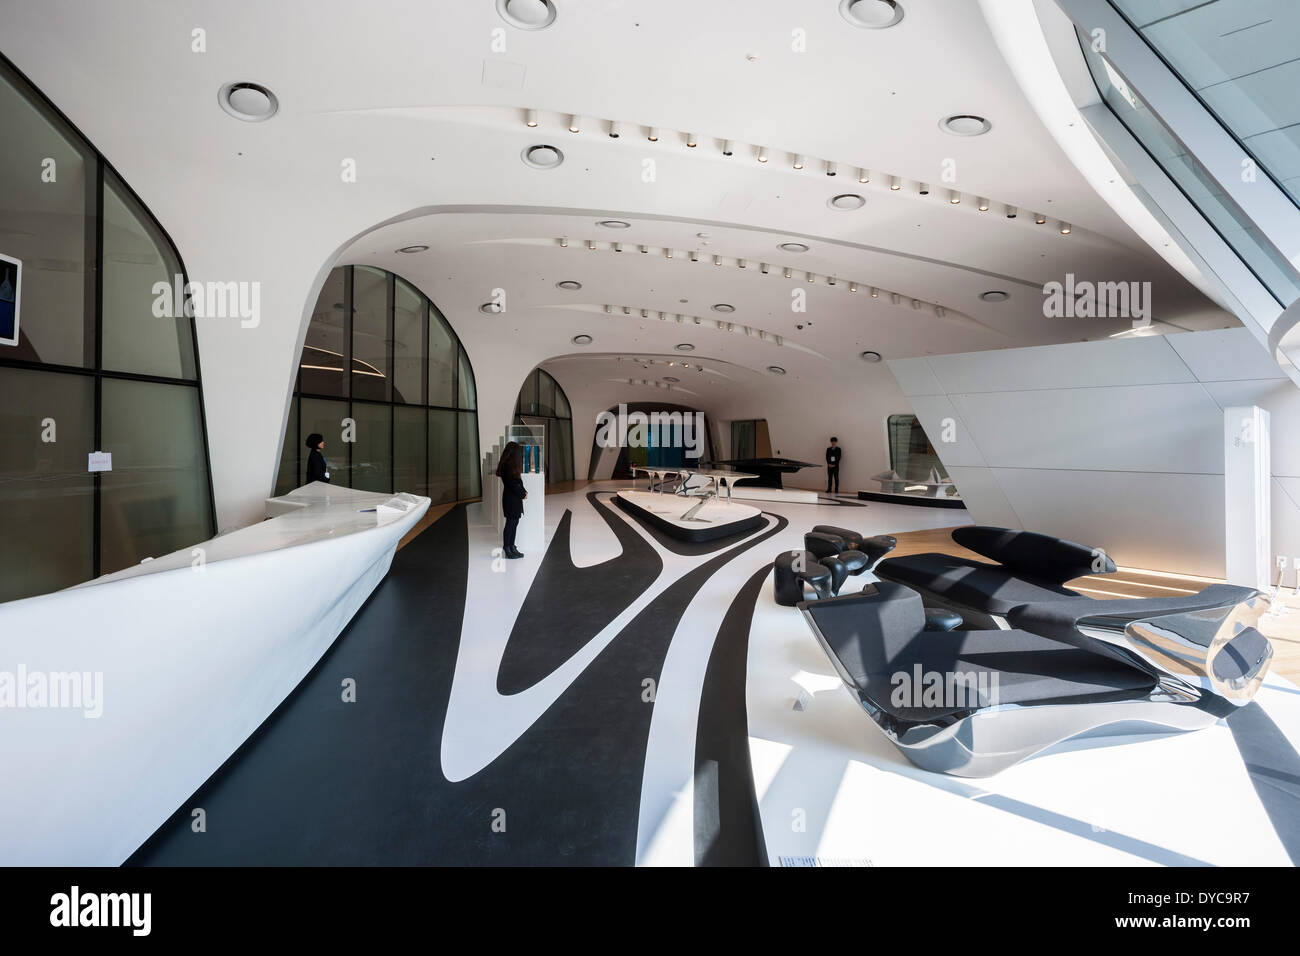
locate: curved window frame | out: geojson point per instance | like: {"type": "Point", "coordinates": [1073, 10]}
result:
{"type": "Point", "coordinates": [465, 414]}
{"type": "Point", "coordinates": [97, 171]}
{"type": "Point", "coordinates": [534, 378]}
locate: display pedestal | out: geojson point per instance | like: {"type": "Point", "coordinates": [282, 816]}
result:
{"type": "Point", "coordinates": [530, 536]}
{"type": "Point", "coordinates": [1246, 476]}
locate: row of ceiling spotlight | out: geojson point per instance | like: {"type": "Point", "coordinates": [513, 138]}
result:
{"type": "Point", "coordinates": [765, 269]}
{"type": "Point", "coordinates": [548, 157]}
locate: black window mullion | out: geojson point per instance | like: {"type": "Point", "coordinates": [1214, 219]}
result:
{"type": "Point", "coordinates": [98, 312]}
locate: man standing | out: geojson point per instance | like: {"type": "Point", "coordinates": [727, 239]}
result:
{"type": "Point", "coordinates": [833, 454]}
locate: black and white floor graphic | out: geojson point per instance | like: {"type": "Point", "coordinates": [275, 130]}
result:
{"type": "Point", "coordinates": [624, 698]}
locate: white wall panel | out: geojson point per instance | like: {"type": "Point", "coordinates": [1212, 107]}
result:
{"type": "Point", "coordinates": [1156, 428]}
{"type": "Point", "coordinates": [1076, 365]}
{"type": "Point", "coordinates": [915, 377]}
{"type": "Point", "coordinates": [1159, 521]}
{"type": "Point", "coordinates": [1115, 444]}
{"type": "Point", "coordinates": [931, 411]}
{"type": "Point", "coordinates": [1224, 355]}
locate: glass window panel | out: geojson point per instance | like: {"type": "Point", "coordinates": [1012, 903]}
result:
{"type": "Point", "coordinates": [442, 360]}
{"type": "Point", "coordinates": [910, 453]}
{"type": "Point", "coordinates": [442, 456]}
{"type": "Point", "coordinates": [560, 436]}
{"type": "Point", "coordinates": [44, 223]}
{"type": "Point", "coordinates": [326, 417]}
{"type": "Point", "coordinates": [562, 409]}
{"type": "Point", "coordinates": [155, 500]}
{"type": "Point", "coordinates": [528, 395]}
{"type": "Point", "coordinates": [136, 258]}
{"type": "Point", "coordinates": [324, 347]}
{"type": "Point", "coordinates": [465, 391]}
{"type": "Point", "coordinates": [372, 449]}
{"type": "Point", "coordinates": [408, 344]}
{"type": "Point", "coordinates": [370, 372]}
{"type": "Point", "coordinates": [47, 511]}
{"type": "Point", "coordinates": [467, 453]}
{"type": "Point", "coordinates": [410, 436]}
{"type": "Point", "coordinates": [545, 394]}
{"type": "Point", "coordinates": [286, 479]}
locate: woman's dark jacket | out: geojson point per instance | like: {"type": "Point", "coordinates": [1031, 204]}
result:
{"type": "Point", "coordinates": [512, 496]}
{"type": "Point", "coordinates": [316, 469]}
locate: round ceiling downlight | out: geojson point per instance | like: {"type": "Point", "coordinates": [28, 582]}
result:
{"type": "Point", "coordinates": [671, 379]}
{"type": "Point", "coordinates": [569, 285]}
{"type": "Point", "coordinates": [582, 339]}
{"type": "Point", "coordinates": [685, 347]}
{"type": "Point", "coordinates": [249, 102]}
{"type": "Point", "coordinates": [527, 14]}
{"type": "Point", "coordinates": [490, 308]}
{"type": "Point", "coordinates": [870, 356]}
{"type": "Point", "coordinates": [413, 249]}
{"type": "Point", "coordinates": [793, 247]}
{"type": "Point", "coordinates": [776, 370]}
{"type": "Point", "coordinates": [542, 156]}
{"type": "Point", "coordinates": [847, 202]}
{"type": "Point", "coordinates": [965, 124]}
{"type": "Point", "coordinates": [724, 307]}
{"type": "Point", "coordinates": [614, 224]}
{"type": "Point", "coordinates": [871, 14]}
{"type": "Point", "coordinates": [995, 295]}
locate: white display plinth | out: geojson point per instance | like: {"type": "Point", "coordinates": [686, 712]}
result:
{"type": "Point", "coordinates": [531, 533]}
{"type": "Point", "coordinates": [1246, 498]}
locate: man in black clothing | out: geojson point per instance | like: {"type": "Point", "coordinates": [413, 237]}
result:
{"type": "Point", "coordinates": [833, 465]}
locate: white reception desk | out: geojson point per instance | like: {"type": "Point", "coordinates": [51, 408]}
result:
{"type": "Point", "coordinates": [192, 652]}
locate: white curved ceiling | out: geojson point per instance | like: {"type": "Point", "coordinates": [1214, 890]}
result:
{"type": "Point", "coordinates": [428, 99]}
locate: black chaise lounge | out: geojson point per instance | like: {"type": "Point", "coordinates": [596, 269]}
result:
{"type": "Point", "coordinates": [971, 703]}
{"type": "Point", "coordinates": [1029, 568]}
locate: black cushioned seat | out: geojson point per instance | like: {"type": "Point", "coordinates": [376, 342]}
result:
{"type": "Point", "coordinates": [852, 539]}
{"type": "Point", "coordinates": [877, 546]}
{"type": "Point", "coordinates": [788, 583]}
{"type": "Point", "coordinates": [990, 588]}
{"type": "Point", "coordinates": [876, 637]}
{"type": "Point", "coordinates": [823, 544]}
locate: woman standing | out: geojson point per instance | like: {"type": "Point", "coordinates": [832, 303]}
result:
{"type": "Point", "coordinates": [318, 468]}
{"type": "Point", "coordinates": [512, 494]}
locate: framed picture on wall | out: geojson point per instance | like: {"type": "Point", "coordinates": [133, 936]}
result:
{"type": "Point", "coordinates": [11, 271]}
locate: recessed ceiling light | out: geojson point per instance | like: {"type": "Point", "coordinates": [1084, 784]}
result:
{"type": "Point", "coordinates": [542, 156]}
{"type": "Point", "coordinates": [249, 102]}
{"type": "Point", "coordinates": [872, 14]}
{"type": "Point", "coordinates": [776, 370]}
{"type": "Point", "coordinates": [614, 224]}
{"type": "Point", "coordinates": [685, 347]}
{"type": "Point", "coordinates": [871, 356]}
{"type": "Point", "coordinates": [490, 308]}
{"type": "Point", "coordinates": [411, 249]}
{"type": "Point", "coordinates": [847, 201]}
{"type": "Point", "coordinates": [792, 247]}
{"type": "Point", "coordinates": [724, 307]}
{"type": "Point", "coordinates": [995, 295]}
{"type": "Point", "coordinates": [582, 339]}
{"type": "Point", "coordinates": [965, 124]}
{"type": "Point", "coordinates": [527, 14]}
{"type": "Point", "coordinates": [569, 285]}
{"type": "Point", "coordinates": [670, 378]}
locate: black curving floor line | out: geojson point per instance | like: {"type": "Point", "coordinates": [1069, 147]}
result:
{"type": "Point", "coordinates": [728, 830]}
{"type": "Point", "coordinates": [567, 605]}
{"type": "Point", "coordinates": [324, 782]}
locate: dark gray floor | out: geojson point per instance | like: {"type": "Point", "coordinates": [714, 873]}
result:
{"type": "Point", "coordinates": [324, 782]}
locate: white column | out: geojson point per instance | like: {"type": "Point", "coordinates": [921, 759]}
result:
{"type": "Point", "coordinates": [1246, 467]}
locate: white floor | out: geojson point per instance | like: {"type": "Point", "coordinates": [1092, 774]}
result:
{"type": "Point", "coordinates": [830, 787]}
